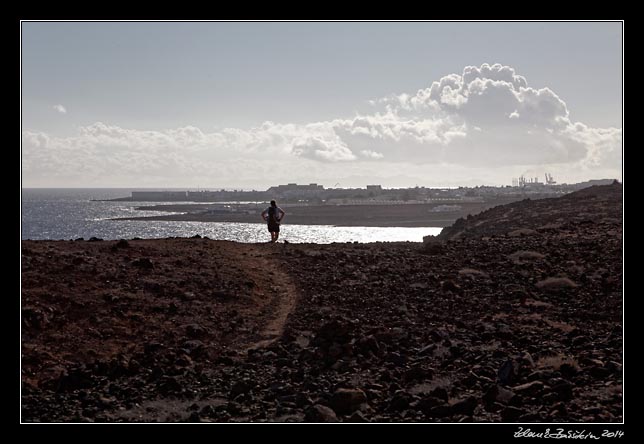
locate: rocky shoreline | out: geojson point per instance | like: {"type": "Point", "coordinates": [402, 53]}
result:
{"type": "Point", "coordinates": [512, 315]}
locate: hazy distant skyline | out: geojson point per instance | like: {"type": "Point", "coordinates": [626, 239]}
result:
{"type": "Point", "coordinates": [255, 104]}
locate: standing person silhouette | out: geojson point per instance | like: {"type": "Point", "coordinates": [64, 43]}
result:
{"type": "Point", "coordinates": [273, 215]}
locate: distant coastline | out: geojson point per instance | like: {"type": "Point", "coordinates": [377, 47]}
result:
{"type": "Point", "coordinates": [318, 194]}
{"type": "Point", "coordinates": [404, 215]}
{"type": "Point", "coordinates": [373, 206]}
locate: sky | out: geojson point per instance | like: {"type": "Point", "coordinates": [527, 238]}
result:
{"type": "Point", "coordinates": [249, 105]}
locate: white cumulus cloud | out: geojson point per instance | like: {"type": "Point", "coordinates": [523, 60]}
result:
{"type": "Point", "coordinates": [60, 108]}
{"type": "Point", "coordinates": [368, 154]}
{"type": "Point", "coordinates": [485, 117]}
{"type": "Point", "coordinates": [324, 150]}
{"type": "Point", "coordinates": [489, 115]}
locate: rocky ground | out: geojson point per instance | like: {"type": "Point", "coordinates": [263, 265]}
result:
{"type": "Point", "coordinates": [513, 315]}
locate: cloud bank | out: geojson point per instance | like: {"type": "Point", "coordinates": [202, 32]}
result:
{"type": "Point", "coordinates": [486, 120]}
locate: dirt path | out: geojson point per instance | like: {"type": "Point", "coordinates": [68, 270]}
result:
{"type": "Point", "coordinates": [84, 301]}
{"type": "Point", "coordinates": [275, 291]}
{"type": "Point", "coordinates": [144, 313]}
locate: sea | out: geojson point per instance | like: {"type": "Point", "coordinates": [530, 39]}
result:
{"type": "Point", "coordinates": [72, 213]}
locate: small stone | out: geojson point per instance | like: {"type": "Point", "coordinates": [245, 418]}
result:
{"type": "Point", "coordinates": [345, 401]}
{"type": "Point", "coordinates": [320, 413]}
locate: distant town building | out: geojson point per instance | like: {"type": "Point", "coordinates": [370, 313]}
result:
{"type": "Point", "coordinates": [293, 190]}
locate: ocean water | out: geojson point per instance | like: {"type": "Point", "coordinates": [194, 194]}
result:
{"type": "Point", "coordinates": [70, 213]}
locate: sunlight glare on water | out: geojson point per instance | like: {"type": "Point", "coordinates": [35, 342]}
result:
{"type": "Point", "coordinates": [245, 232]}
{"type": "Point", "coordinates": [70, 214]}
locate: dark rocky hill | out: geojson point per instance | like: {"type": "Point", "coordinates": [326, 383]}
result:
{"type": "Point", "coordinates": [597, 207]}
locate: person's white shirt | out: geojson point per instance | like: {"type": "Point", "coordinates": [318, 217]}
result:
{"type": "Point", "coordinates": [280, 213]}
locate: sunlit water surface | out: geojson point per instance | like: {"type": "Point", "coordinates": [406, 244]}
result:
{"type": "Point", "coordinates": [70, 214]}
